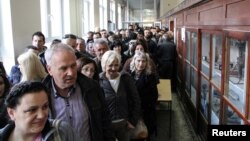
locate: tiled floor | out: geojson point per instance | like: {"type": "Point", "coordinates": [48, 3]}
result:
{"type": "Point", "coordinates": [181, 128]}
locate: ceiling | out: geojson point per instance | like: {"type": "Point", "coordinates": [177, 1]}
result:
{"type": "Point", "coordinates": [146, 4]}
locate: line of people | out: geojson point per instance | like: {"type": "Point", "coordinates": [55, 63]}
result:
{"type": "Point", "coordinates": [99, 89]}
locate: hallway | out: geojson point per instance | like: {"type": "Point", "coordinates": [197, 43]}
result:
{"type": "Point", "coordinates": [181, 128]}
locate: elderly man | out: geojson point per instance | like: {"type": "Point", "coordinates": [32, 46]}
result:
{"type": "Point", "coordinates": [75, 98]}
{"type": "Point", "coordinates": [100, 47]}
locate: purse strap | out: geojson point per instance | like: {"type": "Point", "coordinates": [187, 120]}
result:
{"type": "Point", "coordinates": [56, 124]}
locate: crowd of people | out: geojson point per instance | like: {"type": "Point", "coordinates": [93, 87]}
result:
{"type": "Point", "coordinates": [93, 89]}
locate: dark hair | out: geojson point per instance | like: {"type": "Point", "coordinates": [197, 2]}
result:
{"type": "Point", "coordinates": [7, 84]}
{"type": "Point", "coordinates": [142, 42]}
{"type": "Point", "coordinates": [84, 61]}
{"type": "Point", "coordinates": [40, 34]}
{"type": "Point", "coordinates": [22, 88]}
{"type": "Point", "coordinates": [55, 41]}
{"type": "Point", "coordinates": [2, 69]}
{"type": "Point", "coordinates": [115, 44]}
{"type": "Point", "coordinates": [71, 36]}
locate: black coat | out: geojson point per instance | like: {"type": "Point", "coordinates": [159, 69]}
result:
{"type": "Point", "coordinates": [126, 102]}
{"type": "Point", "coordinates": [147, 87]}
{"type": "Point", "coordinates": [100, 123]}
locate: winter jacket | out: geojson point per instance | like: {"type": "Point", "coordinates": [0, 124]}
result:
{"type": "Point", "coordinates": [125, 104]}
{"type": "Point", "coordinates": [64, 131]}
{"type": "Point", "coordinates": [100, 124]}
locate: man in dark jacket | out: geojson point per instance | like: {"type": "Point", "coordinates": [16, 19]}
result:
{"type": "Point", "coordinates": [167, 61]}
{"type": "Point", "coordinates": [75, 98]}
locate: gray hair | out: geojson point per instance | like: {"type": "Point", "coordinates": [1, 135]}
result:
{"type": "Point", "coordinates": [148, 68]}
{"type": "Point", "coordinates": [55, 48]}
{"type": "Point", "coordinates": [101, 41]}
{"type": "Point", "coordinates": [108, 57]}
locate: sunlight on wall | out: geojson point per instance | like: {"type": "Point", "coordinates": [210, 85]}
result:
{"type": "Point", "coordinates": [6, 37]}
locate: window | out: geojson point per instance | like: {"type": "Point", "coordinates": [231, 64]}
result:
{"type": "Point", "coordinates": [215, 106]}
{"type": "Point", "coordinates": [205, 49]}
{"type": "Point", "coordinates": [204, 97]}
{"type": "Point", "coordinates": [88, 19]}
{"type": "Point", "coordinates": [103, 14]}
{"type": "Point", "coordinates": [119, 17]}
{"type": "Point", "coordinates": [236, 66]}
{"type": "Point", "coordinates": [194, 47]}
{"type": "Point", "coordinates": [216, 60]}
{"type": "Point", "coordinates": [52, 18]}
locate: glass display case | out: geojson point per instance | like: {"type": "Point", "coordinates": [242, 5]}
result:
{"type": "Point", "coordinates": [187, 76]}
{"type": "Point", "coordinates": [215, 106]}
{"type": "Point", "coordinates": [204, 100]}
{"type": "Point", "coordinates": [205, 49]}
{"type": "Point", "coordinates": [231, 117]}
{"type": "Point", "coordinates": [216, 60]}
{"type": "Point", "coordinates": [188, 39]}
{"type": "Point", "coordinates": [193, 86]}
{"type": "Point", "coordinates": [236, 66]}
{"type": "Point", "coordinates": [194, 45]}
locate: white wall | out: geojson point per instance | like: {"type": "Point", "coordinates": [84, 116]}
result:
{"type": "Point", "coordinates": [22, 19]}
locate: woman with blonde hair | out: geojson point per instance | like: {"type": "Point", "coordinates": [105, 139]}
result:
{"type": "Point", "coordinates": [31, 67]}
{"type": "Point", "coordinates": [146, 84]}
{"type": "Point", "coordinates": [120, 94]}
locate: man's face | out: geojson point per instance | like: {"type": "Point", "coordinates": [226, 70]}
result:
{"type": "Point", "coordinates": [100, 49]}
{"type": "Point", "coordinates": [80, 45]}
{"type": "Point", "coordinates": [63, 69]}
{"type": "Point", "coordinates": [147, 33]}
{"type": "Point", "coordinates": [104, 34]}
{"type": "Point", "coordinates": [38, 42]}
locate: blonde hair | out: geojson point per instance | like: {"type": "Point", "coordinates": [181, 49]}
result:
{"type": "Point", "coordinates": [140, 54]}
{"type": "Point", "coordinates": [31, 67]}
{"type": "Point", "coordinates": [108, 57]}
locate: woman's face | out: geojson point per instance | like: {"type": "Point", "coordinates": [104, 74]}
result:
{"type": "Point", "coordinates": [88, 70]}
{"type": "Point", "coordinates": [139, 48]}
{"type": "Point", "coordinates": [2, 86]}
{"type": "Point", "coordinates": [118, 49]}
{"type": "Point", "coordinates": [112, 69]}
{"type": "Point", "coordinates": [140, 64]}
{"type": "Point", "coordinates": [31, 114]}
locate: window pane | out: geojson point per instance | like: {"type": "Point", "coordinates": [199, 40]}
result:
{"type": "Point", "coordinates": [205, 49]}
{"type": "Point", "coordinates": [193, 86]}
{"type": "Point", "coordinates": [188, 45]}
{"type": "Point", "coordinates": [86, 21]}
{"type": "Point", "coordinates": [204, 96]}
{"type": "Point", "coordinates": [237, 73]}
{"type": "Point", "coordinates": [194, 48]}
{"type": "Point", "coordinates": [215, 105]}
{"type": "Point", "coordinates": [187, 82]}
{"type": "Point", "coordinates": [216, 60]}
{"type": "Point", "coordinates": [232, 118]}
{"type": "Point", "coordinates": [55, 17]}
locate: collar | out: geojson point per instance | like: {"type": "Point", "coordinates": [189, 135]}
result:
{"type": "Point", "coordinates": [56, 94]}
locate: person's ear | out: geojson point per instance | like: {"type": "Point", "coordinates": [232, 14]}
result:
{"type": "Point", "coordinates": [49, 69]}
{"type": "Point", "coordinates": [11, 113]}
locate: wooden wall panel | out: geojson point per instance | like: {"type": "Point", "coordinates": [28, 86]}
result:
{"type": "Point", "coordinates": [179, 20]}
{"type": "Point", "coordinates": [212, 15]}
{"type": "Point", "coordinates": [240, 9]}
{"type": "Point", "coordinates": [237, 12]}
{"type": "Point", "coordinates": [191, 19]}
